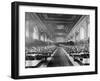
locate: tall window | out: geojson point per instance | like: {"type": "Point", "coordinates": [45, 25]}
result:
{"type": "Point", "coordinates": [45, 38]}
{"type": "Point", "coordinates": [88, 30]}
{"type": "Point", "coordinates": [27, 32]}
{"type": "Point", "coordinates": [27, 29]}
{"type": "Point", "coordinates": [82, 33]}
{"type": "Point", "coordinates": [42, 38]}
{"type": "Point", "coordinates": [35, 33]}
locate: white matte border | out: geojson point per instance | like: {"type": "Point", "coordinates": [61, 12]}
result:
{"type": "Point", "coordinates": [54, 70]}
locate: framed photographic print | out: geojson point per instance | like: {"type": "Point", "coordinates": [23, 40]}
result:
{"type": "Point", "coordinates": [50, 40]}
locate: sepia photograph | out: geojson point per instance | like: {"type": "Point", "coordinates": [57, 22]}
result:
{"type": "Point", "coordinates": [56, 40]}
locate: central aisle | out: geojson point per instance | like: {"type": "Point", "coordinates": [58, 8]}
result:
{"type": "Point", "coordinates": [59, 59]}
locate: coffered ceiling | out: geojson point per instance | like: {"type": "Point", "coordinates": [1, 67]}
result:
{"type": "Point", "coordinates": [59, 25]}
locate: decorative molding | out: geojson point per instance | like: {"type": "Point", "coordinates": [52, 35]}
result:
{"type": "Point", "coordinates": [77, 26]}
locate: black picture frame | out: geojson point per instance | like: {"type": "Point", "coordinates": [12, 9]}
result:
{"type": "Point", "coordinates": [15, 39]}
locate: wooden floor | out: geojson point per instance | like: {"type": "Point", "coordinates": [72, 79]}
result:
{"type": "Point", "coordinates": [59, 59]}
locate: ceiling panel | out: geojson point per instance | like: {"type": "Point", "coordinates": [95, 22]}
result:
{"type": "Point", "coordinates": [59, 23]}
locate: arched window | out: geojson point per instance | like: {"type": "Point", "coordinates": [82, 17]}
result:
{"type": "Point", "coordinates": [27, 32]}
{"type": "Point", "coordinates": [88, 26]}
{"type": "Point", "coordinates": [35, 33]}
{"type": "Point", "coordinates": [45, 38]}
{"type": "Point", "coordinates": [27, 29]}
{"type": "Point", "coordinates": [82, 33]}
{"type": "Point", "coordinates": [42, 38]}
{"type": "Point", "coordinates": [88, 30]}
